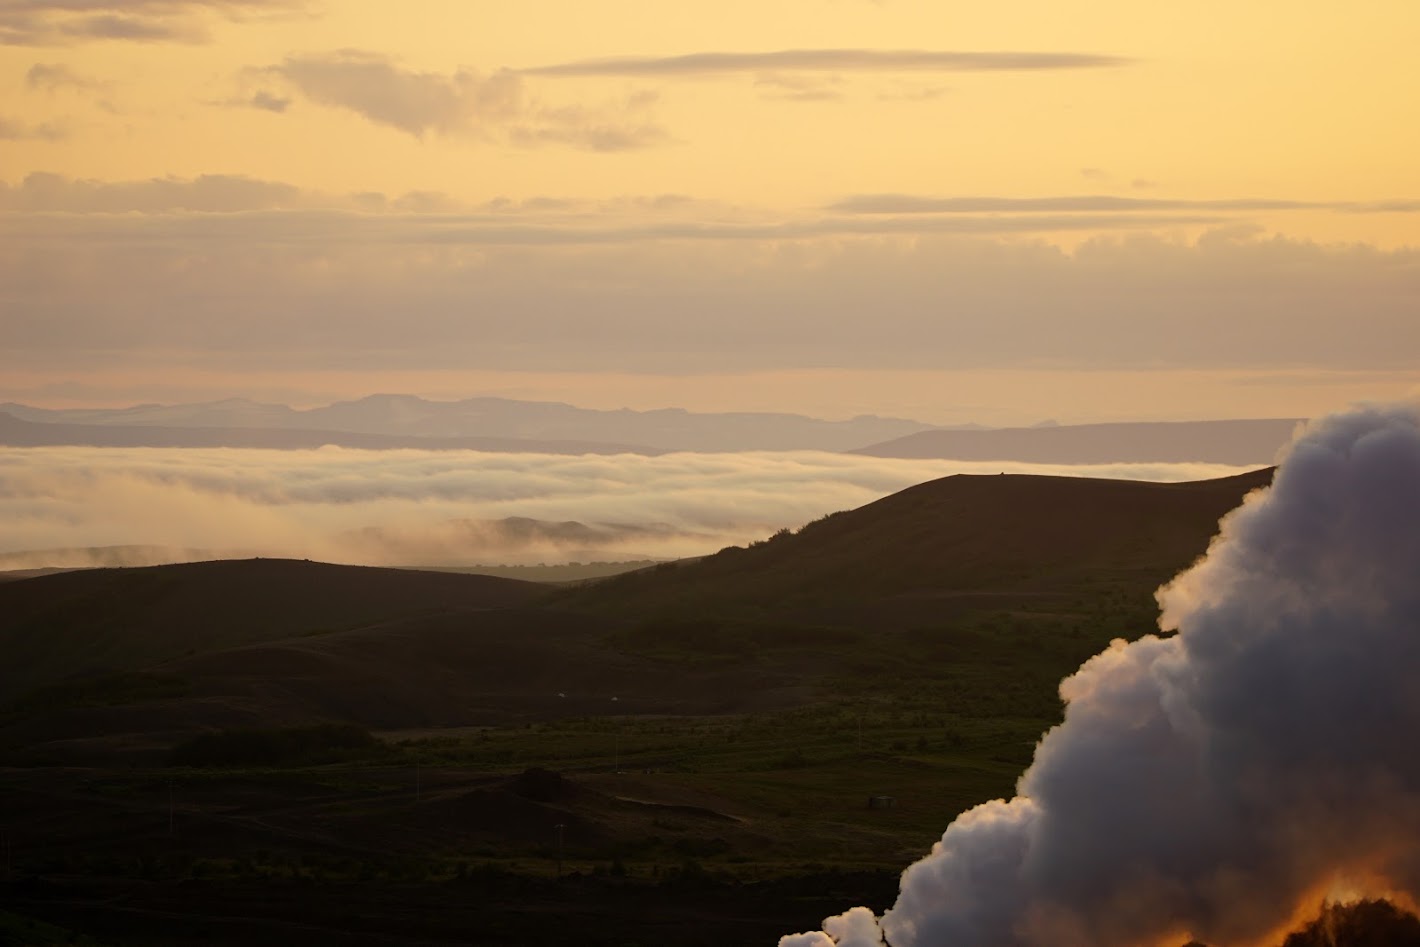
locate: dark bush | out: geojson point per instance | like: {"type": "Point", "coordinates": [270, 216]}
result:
{"type": "Point", "coordinates": [1362, 924]}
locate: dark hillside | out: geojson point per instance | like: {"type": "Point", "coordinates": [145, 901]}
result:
{"type": "Point", "coordinates": [108, 620]}
{"type": "Point", "coordinates": [950, 540]}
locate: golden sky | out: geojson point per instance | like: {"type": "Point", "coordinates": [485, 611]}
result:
{"type": "Point", "coordinates": [575, 200]}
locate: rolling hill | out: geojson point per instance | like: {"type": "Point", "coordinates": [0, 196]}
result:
{"type": "Point", "coordinates": [960, 539]}
{"type": "Point", "coordinates": [98, 621]}
{"type": "Point", "coordinates": [275, 751]}
{"type": "Point", "coordinates": [930, 590]}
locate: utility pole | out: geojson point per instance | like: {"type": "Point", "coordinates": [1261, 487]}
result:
{"type": "Point", "coordinates": [560, 826]}
{"type": "Point", "coordinates": [172, 814]}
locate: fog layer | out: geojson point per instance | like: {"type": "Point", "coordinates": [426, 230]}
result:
{"type": "Point", "coordinates": [408, 507]}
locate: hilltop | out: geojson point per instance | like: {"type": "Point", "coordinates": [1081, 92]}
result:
{"type": "Point", "coordinates": [94, 621]}
{"type": "Point", "coordinates": [940, 544]}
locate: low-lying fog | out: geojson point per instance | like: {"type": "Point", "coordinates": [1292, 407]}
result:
{"type": "Point", "coordinates": [411, 507]}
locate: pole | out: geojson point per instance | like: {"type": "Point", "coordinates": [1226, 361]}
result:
{"type": "Point", "coordinates": [560, 827]}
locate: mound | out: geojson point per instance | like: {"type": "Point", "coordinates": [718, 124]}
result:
{"type": "Point", "coordinates": [949, 539]}
{"type": "Point", "coordinates": [104, 621]}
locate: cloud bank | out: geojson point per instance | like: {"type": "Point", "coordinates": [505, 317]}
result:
{"type": "Point", "coordinates": [291, 282]}
{"type": "Point", "coordinates": [1216, 783]}
{"type": "Point", "coordinates": [1097, 203]}
{"type": "Point", "coordinates": [435, 507]}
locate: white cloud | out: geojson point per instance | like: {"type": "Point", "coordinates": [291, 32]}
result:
{"type": "Point", "coordinates": [419, 503]}
{"type": "Point", "coordinates": [1214, 784]}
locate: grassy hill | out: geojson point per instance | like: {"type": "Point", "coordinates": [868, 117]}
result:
{"type": "Point", "coordinates": [945, 544]}
{"type": "Point", "coordinates": [104, 621]}
{"type": "Point", "coordinates": [922, 597]}
{"type": "Point", "coordinates": [287, 752]}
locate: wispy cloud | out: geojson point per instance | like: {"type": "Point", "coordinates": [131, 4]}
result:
{"type": "Point", "coordinates": [54, 77]}
{"type": "Point", "coordinates": [415, 102]}
{"type": "Point", "coordinates": [48, 193]}
{"type": "Point", "coordinates": [1097, 203]}
{"type": "Point", "coordinates": [65, 22]}
{"type": "Point", "coordinates": [210, 193]}
{"type": "Point", "coordinates": [12, 129]}
{"type": "Point", "coordinates": [799, 88]}
{"type": "Point", "coordinates": [465, 102]}
{"type": "Point", "coordinates": [693, 65]}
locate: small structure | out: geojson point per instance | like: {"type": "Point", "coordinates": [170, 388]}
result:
{"type": "Point", "coordinates": [881, 802]}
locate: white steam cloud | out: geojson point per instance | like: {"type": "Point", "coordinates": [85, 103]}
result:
{"type": "Point", "coordinates": [1216, 783]}
{"type": "Point", "coordinates": [410, 507]}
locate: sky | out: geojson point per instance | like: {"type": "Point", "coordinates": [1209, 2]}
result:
{"type": "Point", "coordinates": [952, 212]}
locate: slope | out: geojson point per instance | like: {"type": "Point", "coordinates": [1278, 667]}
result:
{"type": "Point", "coordinates": [100, 621]}
{"type": "Point", "coordinates": [960, 537]}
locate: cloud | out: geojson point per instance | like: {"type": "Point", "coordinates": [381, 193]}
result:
{"type": "Point", "coordinates": [286, 278]}
{"type": "Point", "coordinates": [16, 130]}
{"type": "Point", "coordinates": [263, 100]}
{"type": "Point", "coordinates": [43, 193]}
{"type": "Point", "coordinates": [413, 102]}
{"type": "Point", "coordinates": [698, 65]}
{"type": "Point", "coordinates": [482, 230]}
{"type": "Point", "coordinates": [799, 88]}
{"type": "Point", "coordinates": [1214, 783]}
{"type": "Point", "coordinates": [465, 103]}
{"type": "Point", "coordinates": [439, 507]}
{"type": "Point", "coordinates": [911, 92]}
{"type": "Point", "coordinates": [65, 22]}
{"type": "Point", "coordinates": [210, 193]}
{"type": "Point", "coordinates": [1096, 203]}
{"type": "Point", "coordinates": [53, 77]}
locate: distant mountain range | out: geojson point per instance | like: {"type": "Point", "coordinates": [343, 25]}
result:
{"type": "Point", "coordinates": [502, 425]}
{"type": "Point", "coordinates": [475, 423]}
{"type": "Point", "coordinates": [1157, 442]}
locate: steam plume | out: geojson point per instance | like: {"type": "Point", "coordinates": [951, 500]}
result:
{"type": "Point", "coordinates": [1215, 783]}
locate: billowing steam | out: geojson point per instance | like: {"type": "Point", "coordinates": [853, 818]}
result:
{"type": "Point", "coordinates": [1217, 783]}
{"type": "Point", "coordinates": [419, 507]}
